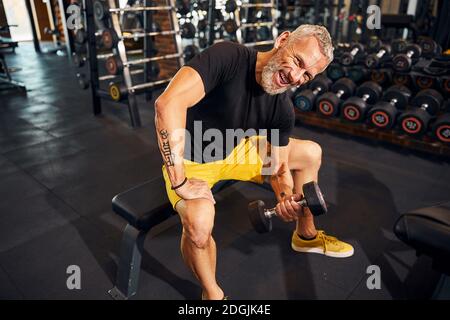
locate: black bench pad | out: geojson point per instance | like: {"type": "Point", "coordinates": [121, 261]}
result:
{"type": "Point", "coordinates": [427, 230]}
{"type": "Point", "coordinates": [147, 204]}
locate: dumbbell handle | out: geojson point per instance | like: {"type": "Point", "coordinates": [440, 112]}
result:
{"type": "Point", "coordinates": [340, 93]}
{"type": "Point", "coordinates": [317, 90]}
{"type": "Point", "coordinates": [393, 101]}
{"type": "Point", "coordinates": [354, 51]}
{"type": "Point", "coordinates": [424, 106]}
{"type": "Point", "coordinates": [381, 53]}
{"type": "Point", "coordinates": [269, 213]}
{"type": "Point", "coordinates": [365, 97]}
{"type": "Point", "coordinates": [410, 53]}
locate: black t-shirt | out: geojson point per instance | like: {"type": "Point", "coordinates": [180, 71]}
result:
{"type": "Point", "coordinates": [233, 100]}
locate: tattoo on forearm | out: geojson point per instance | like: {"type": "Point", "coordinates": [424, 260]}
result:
{"type": "Point", "coordinates": [165, 147]}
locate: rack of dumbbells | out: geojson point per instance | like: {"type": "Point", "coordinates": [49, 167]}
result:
{"type": "Point", "coordinates": [252, 23]}
{"type": "Point", "coordinates": [396, 92]}
{"type": "Point", "coordinates": [110, 37]}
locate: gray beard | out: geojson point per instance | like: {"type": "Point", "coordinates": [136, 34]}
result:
{"type": "Point", "coordinates": [267, 78]}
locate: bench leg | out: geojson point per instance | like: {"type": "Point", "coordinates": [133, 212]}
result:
{"type": "Point", "coordinates": [129, 264]}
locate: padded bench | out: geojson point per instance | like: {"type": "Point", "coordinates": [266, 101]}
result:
{"type": "Point", "coordinates": [6, 43]}
{"type": "Point", "coordinates": [427, 230]}
{"type": "Point", "coordinates": [143, 207]}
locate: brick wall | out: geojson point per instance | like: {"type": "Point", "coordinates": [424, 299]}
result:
{"type": "Point", "coordinates": [165, 44]}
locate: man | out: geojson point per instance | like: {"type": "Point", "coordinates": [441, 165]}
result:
{"type": "Point", "coordinates": [229, 86]}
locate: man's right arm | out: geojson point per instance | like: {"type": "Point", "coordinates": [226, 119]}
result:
{"type": "Point", "coordinates": [184, 91]}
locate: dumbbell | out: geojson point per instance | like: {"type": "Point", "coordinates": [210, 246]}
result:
{"type": "Point", "coordinates": [403, 61]}
{"type": "Point", "coordinates": [263, 33]}
{"type": "Point", "coordinates": [374, 44]}
{"type": "Point", "coordinates": [230, 6]}
{"type": "Point", "coordinates": [426, 105]}
{"type": "Point", "coordinates": [381, 76]}
{"type": "Point", "coordinates": [357, 73]}
{"type": "Point", "coordinates": [384, 113]}
{"type": "Point", "coordinates": [80, 36]}
{"type": "Point", "coordinates": [445, 84]}
{"type": "Point", "coordinates": [354, 109]}
{"type": "Point", "coordinates": [398, 46]}
{"type": "Point", "coordinates": [101, 10]}
{"type": "Point", "coordinates": [78, 60]}
{"type": "Point", "coordinates": [183, 7]}
{"type": "Point", "coordinates": [203, 5]}
{"type": "Point", "coordinates": [306, 98]}
{"type": "Point", "coordinates": [261, 218]}
{"type": "Point", "coordinates": [230, 26]}
{"type": "Point", "coordinates": [188, 30]}
{"type": "Point", "coordinates": [441, 128]}
{"type": "Point", "coordinates": [430, 48]}
{"type": "Point", "coordinates": [83, 83]}
{"type": "Point", "coordinates": [114, 66]}
{"type": "Point", "coordinates": [373, 60]}
{"type": "Point", "coordinates": [203, 42]}
{"type": "Point", "coordinates": [328, 103]}
{"type": "Point", "coordinates": [424, 82]}
{"type": "Point", "coordinates": [190, 51]}
{"type": "Point", "coordinates": [402, 79]}
{"type": "Point", "coordinates": [202, 25]}
{"type": "Point", "coordinates": [118, 91]}
{"type": "Point", "coordinates": [348, 57]}
{"type": "Point", "coordinates": [335, 71]}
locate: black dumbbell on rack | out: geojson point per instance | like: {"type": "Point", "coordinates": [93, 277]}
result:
{"type": "Point", "coordinates": [398, 46]}
{"type": "Point", "coordinates": [357, 73]}
{"type": "Point", "coordinates": [355, 109]}
{"type": "Point", "coordinates": [425, 105]}
{"type": "Point", "coordinates": [336, 71]}
{"type": "Point", "coordinates": [261, 218]}
{"type": "Point", "coordinates": [430, 48]}
{"type": "Point", "coordinates": [305, 99]}
{"type": "Point", "coordinates": [441, 128]}
{"type": "Point", "coordinates": [348, 58]}
{"type": "Point", "coordinates": [381, 76]}
{"type": "Point", "coordinates": [384, 113]}
{"type": "Point", "coordinates": [78, 59]}
{"type": "Point", "coordinates": [374, 60]}
{"type": "Point", "coordinates": [328, 104]}
{"type": "Point", "coordinates": [403, 61]}
{"type": "Point", "coordinates": [374, 44]}
{"type": "Point", "coordinates": [190, 51]}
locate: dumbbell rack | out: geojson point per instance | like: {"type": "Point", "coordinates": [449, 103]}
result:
{"type": "Point", "coordinates": [362, 130]}
{"type": "Point", "coordinates": [120, 50]}
{"type": "Point", "coordinates": [272, 4]}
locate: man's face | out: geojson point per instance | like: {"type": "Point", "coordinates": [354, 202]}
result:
{"type": "Point", "coordinates": [293, 65]}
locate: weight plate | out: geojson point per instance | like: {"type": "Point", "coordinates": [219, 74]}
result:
{"type": "Point", "coordinates": [314, 198]}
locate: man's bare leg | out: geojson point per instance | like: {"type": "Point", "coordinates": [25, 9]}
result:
{"type": "Point", "coordinates": [197, 244]}
{"type": "Point", "coordinates": [304, 161]}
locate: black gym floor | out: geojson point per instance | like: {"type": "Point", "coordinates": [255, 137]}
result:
{"type": "Point", "coordinates": [60, 167]}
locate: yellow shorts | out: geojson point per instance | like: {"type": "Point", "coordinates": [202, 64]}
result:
{"type": "Point", "coordinates": [243, 163]}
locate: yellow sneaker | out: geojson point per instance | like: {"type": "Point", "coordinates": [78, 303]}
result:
{"type": "Point", "coordinates": [323, 244]}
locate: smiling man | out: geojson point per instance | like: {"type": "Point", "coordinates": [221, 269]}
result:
{"type": "Point", "coordinates": [229, 86]}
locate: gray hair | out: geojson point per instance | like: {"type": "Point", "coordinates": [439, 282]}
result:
{"type": "Point", "coordinates": [320, 33]}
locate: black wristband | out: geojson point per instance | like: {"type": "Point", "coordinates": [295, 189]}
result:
{"type": "Point", "coordinates": [181, 184]}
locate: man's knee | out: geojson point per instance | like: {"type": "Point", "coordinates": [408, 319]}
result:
{"type": "Point", "coordinates": [197, 217]}
{"type": "Point", "coordinates": [314, 152]}
{"type": "Point", "coordinates": [306, 152]}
